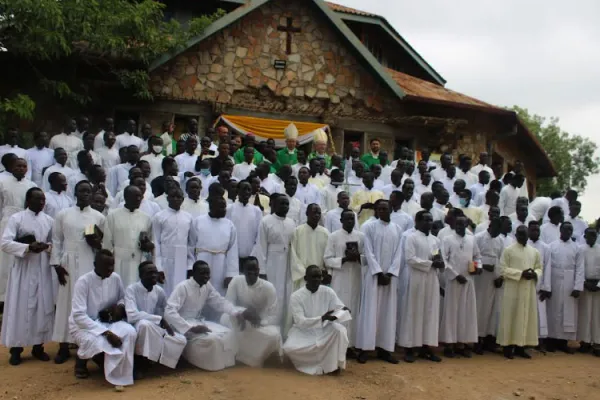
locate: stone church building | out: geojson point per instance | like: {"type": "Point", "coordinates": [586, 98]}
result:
{"type": "Point", "coordinates": [313, 61]}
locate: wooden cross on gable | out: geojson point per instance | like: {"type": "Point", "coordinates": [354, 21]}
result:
{"type": "Point", "coordinates": [288, 29]}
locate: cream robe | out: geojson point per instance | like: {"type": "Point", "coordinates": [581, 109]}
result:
{"type": "Point", "coordinates": [543, 283]}
{"type": "Point", "coordinates": [346, 278]}
{"type": "Point", "coordinates": [567, 274]}
{"type": "Point", "coordinates": [212, 351]}
{"type": "Point", "coordinates": [91, 295]}
{"type": "Point", "coordinates": [316, 347]}
{"type": "Point", "coordinates": [272, 251]}
{"type": "Point", "coordinates": [518, 316]}
{"type": "Point", "coordinates": [12, 200]}
{"type": "Point", "coordinates": [37, 160]}
{"type": "Point", "coordinates": [378, 308]}
{"type": "Point", "coordinates": [214, 240]}
{"type": "Point", "coordinates": [71, 251]}
{"type": "Point", "coordinates": [264, 202]}
{"type": "Point", "coordinates": [308, 247]}
{"type": "Point", "coordinates": [255, 344]}
{"type": "Point", "coordinates": [170, 230]}
{"type": "Point", "coordinates": [195, 208]}
{"type": "Point", "coordinates": [122, 236]}
{"type": "Point", "coordinates": [145, 310]}
{"type": "Point", "coordinates": [29, 305]}
{"type": "Point", "coordinates": [70, 143]}
{"type": "Point", "coordinates": [333, 221]}
{"type": "Point", "coordinates": [489, 298]}
{"type": "Point", "coordinates": [588, 324]}
{"type": "Point", "coordinates": [459, 318]}
{"type": "Point", "coordinates": [246, 219]}
{"type": "Point", "coordinates": [411, 207]}
{"type": "Point", "coordinates": [361, 197]}
{"type": "Point", "coordinates": [421, 302]}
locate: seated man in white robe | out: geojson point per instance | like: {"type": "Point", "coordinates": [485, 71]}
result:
{"type": "Point", "coordinates": [97, 323]}
{"type": "Point", "coordinates": [256, 341]}
{"type": "Point", "coordinates": [145, 304]}
{"type": "Point", "coordinates": [210, 346]}
{"type": "Point", "coordinates": [317, 342]}
{"type": "Point", "coordinates": [29, 306]}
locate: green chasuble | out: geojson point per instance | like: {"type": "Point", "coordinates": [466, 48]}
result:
{"type": "Point", "coordinates": [327, 158]}
{"type": "Point", "coordinates": [369, 160]}
{"type": "Point", "coordinates": [238, 156]}
{"type": "Point", "coordinates": [285, 158]}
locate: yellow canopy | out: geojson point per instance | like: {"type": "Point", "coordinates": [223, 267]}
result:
{"type": "Point", "coordinates": [264, 128]}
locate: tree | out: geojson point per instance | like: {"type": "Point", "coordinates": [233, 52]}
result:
{"type": "Point", "coordinates": [573, 155]}
{"type": "Point", "coordinates": [119, 37]}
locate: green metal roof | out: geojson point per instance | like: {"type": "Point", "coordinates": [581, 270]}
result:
{"type": "Point", "coordinates": [336, 21]}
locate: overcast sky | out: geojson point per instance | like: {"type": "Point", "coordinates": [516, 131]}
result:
{"type": "Point", "coordinates": [541, 55]}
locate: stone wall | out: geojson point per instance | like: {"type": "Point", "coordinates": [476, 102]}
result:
{"type": "Point", "coordinates": [235, 67]}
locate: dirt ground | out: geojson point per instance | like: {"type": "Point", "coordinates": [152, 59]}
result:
{"type": "Point", "coordinates": [491, 377]}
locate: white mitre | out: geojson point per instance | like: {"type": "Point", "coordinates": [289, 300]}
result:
{"type": "Point", "coordinates": [291, 132]}
{"type": "Point", "coordinates": [321, 136]}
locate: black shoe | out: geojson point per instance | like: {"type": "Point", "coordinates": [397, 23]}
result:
{"type": "Point", "coordinates": [449, 353]}
{"type": "Point", "coordinates": [409, 356]}
{"type": "Point", "coordinates": [62, 356]}
{"type": "Point", "coordinates": [478, 348]}
{"type": "Point", "coordinates": [508, 352]}
{"type": "Point", "coordinates": [550, 345]}
{"type": "Point", "coordinates": [585, 348]}
{"type": "Point", "coordinates": [465, 352]}
{"type": "Point", "coordinates": [596, 352]}
{"type": "Point", "coordinates": [520, 351]}
{"type": "Point", "coordinates": [350, 354]}
{"type": "Point", "coordinates": [385, 355]}
{"type": "Point", "coordinates": [362, 357]}
{"type": "Point", "coordinates": [427, 354]}
{"type": "Point", "coordinates": [81, 370]}
{"type": "Point", "coordinates": [39, 353]}
{"type": "Point", "coordinates": [15, 356]}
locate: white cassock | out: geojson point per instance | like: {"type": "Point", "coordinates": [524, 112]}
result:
{"type": "Point", "coordinates": [56, 202]}
{"type": "Point", "coordinates": [214, 240]}
{"type": "Point", "coordinates": [71, 251]}
{"type": "Point", "coordinates": [364, 196]}
{"type": "Point", "coordinates": [246, 219]}
{"type": "Point", "coordinates": [119, 198]}
{"type": "Point", "coordinates": [386, 174]}
{"type": "Point", "coordinates": [403, 280]}
{"type": "Point", "coordinates": [12, 200]}
{"type": "Point", "coordinates": [116, 176]}
{"type": "Point", "coordinates": [549, 233]}
{"type": "Point", "coordinates": [110, 157]}
{"type": "Point", "coordinates": [127, 139]}
{"type": "Point", "coordinates": [16, 150]}
{"type": "Point", "coordinates": [480, 167]}
{"type": "Point", "coordinates": [508, 200]}
{"type": "Point", "coordinates": [333, 221]}
{"type": "Point", "coordinates": [402, 219]}
{"type": "Point", "coordinates": [122, 231]}
{"type": "Point", "coordinates": [186, 162]}
{"type": "Point", "coordinates": [518, 324]}
{"type": "Point", "coordinates": [308, 247]}
{"type": "Point", "coordinates": [270, 185]}
{"type": "Point", "coordinates": [516, 222]}
{"type": "Point", "coordinates": [296, 168]}
{"type": "Point", "coordinates": [155, 162]}
{"type": "Point", "coordinates": [411, 207]}
{"type": "Point", "coordinates": [316, 347]}
{"type": "Point", "coordinates": [488, 297]}
{"type": "Point", "coordinates": [588, 324]}
{"type": "Point", "coordinates": [162, 201]}
{"type": "Point", "coordinates": [459, 317]}
{"type": "Point", "coordinates": [212, 351]}
{"type": "Point", "coordinates": [147, 207]}
{"type": "Point", "coordinates": [308, 194]}
{"type": "Point", "coordinates": [195, 208]}
{"type": "Point", "coordinates": [91, 295]}
{"type": "Point", "coordinates": [255, 344]}
{"type": "Point", "coordinates": [273, 253]}
{"type": "Point", "coordinates": [478, 194]}
{"type": "Point", "coordinates": [469, 178]}
{"type": "Point", "coordinates": [346, 278]}
{"type": "Point", "coordinates": [66, 171]}
{"type": "Point", "coordinates": [72, 181]}
{"type": "Point", "coordinates": [329, 195]}
{"type": "Point", "coordinates": [29, 304]}
{"type": "Point", "coordinates": [242, 171]}
{"type": "Point", "coordinates": [579, 227]}
{"type": "Point", "coordinates": [389, 189]}
{"type": "Point", "coordinates": [37, 160]}
{"type": "Point", "coordinates": [378, 308]}
{"type": "Point", "coordinates": [145, 310]}
{"type": "Point", "coordinates": [70, 143]}
{"type": "Point", "coordinates": [545, 283]}
{"type": "Point", "coordinates": [567, 274]}
{"type": "Point", "coordinates": [297, 211]}
{"type": "Point", "coordinates": [170, 230]}
{"type": "Point", "coordinates": [421, 300]}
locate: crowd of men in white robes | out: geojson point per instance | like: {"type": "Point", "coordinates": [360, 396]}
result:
{"type": "Point", "coordinates": [137, 257]}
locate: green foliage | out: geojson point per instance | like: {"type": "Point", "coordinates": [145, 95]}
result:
{"type": "Point", "coordinates": [96, 32]}
{"type": "Point", "coordinates": [573, 156]}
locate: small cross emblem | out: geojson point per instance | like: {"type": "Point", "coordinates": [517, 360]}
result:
{"type": "Point", "coordinates": [288, 29]}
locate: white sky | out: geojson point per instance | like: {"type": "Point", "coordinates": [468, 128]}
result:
{"type": "Point", "coordinates": [541, 55]}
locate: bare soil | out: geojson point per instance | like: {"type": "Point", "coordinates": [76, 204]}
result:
{"type": "Point", "coordinates": [491, 377]}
